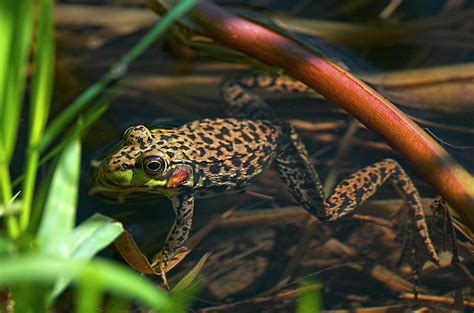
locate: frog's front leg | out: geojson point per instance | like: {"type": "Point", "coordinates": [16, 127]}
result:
{"type": "Point", "coordinates": [183, 205]}
{"type": "Point", "coordinates": [303, 182]}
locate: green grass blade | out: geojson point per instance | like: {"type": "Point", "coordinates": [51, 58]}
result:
{"type": "Point", "coordinates": [15, 30]}
{"type": "Point", "coordinates": [16, 25]}
{"type": "Point", "coordinates": [90, 237]}
{"type": "Point", "coordinates": [89, 293]}
{"type": "Point", "coordinates": [114, 74]}
{"type": "Point", "coordinates": [185, 283]}
{"type": "Point", "coordinates": [85, 121]}
{"type": "Point", "coordinates": [82, 124]}
{"type": "Point", "coordinates": [6, 29]}
{"type": "Point", "coordinates": [57, 222]}
{"type": "Point", "coordinates": [72, 111]}
{"type": "Point", "coordinates": [112, 277]}
{"type": "Point", "coordinates": [6, 246]}
{"type": "Point", "coordinates": [309, 299]}
{"type": "Point", "coordinates": [11, 207]}
{"type": "Point", "coordinates": [42, 86]}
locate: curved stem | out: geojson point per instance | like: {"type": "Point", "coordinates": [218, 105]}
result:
{"type": "Point", "coordinates": [423, 153]}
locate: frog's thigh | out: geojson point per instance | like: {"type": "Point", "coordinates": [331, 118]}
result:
{"type": "Point", "coordinates": [298, 173]}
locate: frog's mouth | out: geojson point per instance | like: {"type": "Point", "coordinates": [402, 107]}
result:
{"type": "Point", "coordinates": [106, 188]}
{"type": "Point", "coordinates": [133, 185]}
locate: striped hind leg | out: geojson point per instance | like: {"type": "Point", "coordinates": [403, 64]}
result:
{"type": "Point", "coordinates": [304, 184]}
{"type": "Point", "coordinates": [242, 102]}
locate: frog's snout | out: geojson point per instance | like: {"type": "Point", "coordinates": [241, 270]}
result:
{"type": "Point", "coordinates": [121, 177]}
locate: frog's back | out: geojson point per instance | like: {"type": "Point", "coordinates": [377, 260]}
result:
{"type": "Point", "coordinates": [226, 153]}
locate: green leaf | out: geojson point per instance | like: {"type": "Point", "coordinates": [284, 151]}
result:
{"type": "Point", "coordinates": [15, 27]}
{"type": "Point", "coordinates": [6, 246]}
{"type": "Point", "coordinates": [59, 213]}
{"type": "Point", "coordinates": [185, 290]}
{"type": "Point", "coordinates": [12, 206]}
{"type": "Point", "coordinates": [93, 235]}
{"type": "Point", "coordinates": [15, 30]}
{"type": "Point", "coordinates": [90, 237]}
{"type": "Point", "coordinates": [112, 277]}
{"type": "Point", "coordinates": [42, 87]}
{"type": "Point", "coordinates": [89, 293]}
{"type": "Point", "coordinates": [309, 298]}
{"type": "Point", "coordinates": [186, 281]}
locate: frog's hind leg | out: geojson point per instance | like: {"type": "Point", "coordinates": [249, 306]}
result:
{"type": "Point", "coordinates": [243, 103]}
{"type": "Point", "coordinates": [304, 184]}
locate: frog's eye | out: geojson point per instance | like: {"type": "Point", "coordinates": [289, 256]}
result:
{"type": "Point", "coordinates": [154, 165]}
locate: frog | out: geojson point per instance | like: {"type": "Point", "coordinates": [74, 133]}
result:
{"type": "Point", "coordinates": [208, 157]}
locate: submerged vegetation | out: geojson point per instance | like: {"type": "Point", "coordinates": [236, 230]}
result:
{"type": "Point", "coordinates": [48, 260]}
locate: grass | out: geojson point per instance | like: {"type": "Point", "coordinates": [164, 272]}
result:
{"type": "Point", "coordinates": [42, 251]}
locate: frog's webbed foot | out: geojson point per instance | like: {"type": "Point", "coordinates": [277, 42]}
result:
{"type": "Point", "coordinates": [160, 264]}
{"type": "Point", "coordinates": [183, 206]}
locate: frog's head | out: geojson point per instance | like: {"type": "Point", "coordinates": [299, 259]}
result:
{"type": "Point", "coordinates": [140, 166]}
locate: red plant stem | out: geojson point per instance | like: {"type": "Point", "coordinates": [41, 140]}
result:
{"type": "Point", "coordinates": [423, 153]}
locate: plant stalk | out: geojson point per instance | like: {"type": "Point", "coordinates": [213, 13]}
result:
{"type": "Point", "coordinates": [423, 153]}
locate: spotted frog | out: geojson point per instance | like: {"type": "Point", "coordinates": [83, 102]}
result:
{"type": "Point", "coordinates": [211, 156]}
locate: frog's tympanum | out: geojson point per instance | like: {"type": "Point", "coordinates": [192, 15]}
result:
{"type": "Point", "coordinates": [211, 156]}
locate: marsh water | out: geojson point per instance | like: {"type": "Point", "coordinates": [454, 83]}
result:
{"type": "Point", "coordinates": [174, 82]}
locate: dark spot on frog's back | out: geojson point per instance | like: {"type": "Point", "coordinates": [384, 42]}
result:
{"type": "Point", "coordinates": [236, 162]}
{"type": "Point", "coordinates": [246, 137]}
{"type": "Point", "coordinates": [224, 130]}
{"type": "Point", "coordinates": [252, 127]}
{"type": "Point", "coordinates": [219, 136]}
{"type": "Point", "coordinates": [263, 128]}
{"type": "Point", "coordinates": [215, 168]}
{"type": "Point", "coordinates": [250, 170]}
{"type": "Point", "coordinates": [202, 151]}
{"type": "Point", "coordinates": [205, 138]}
